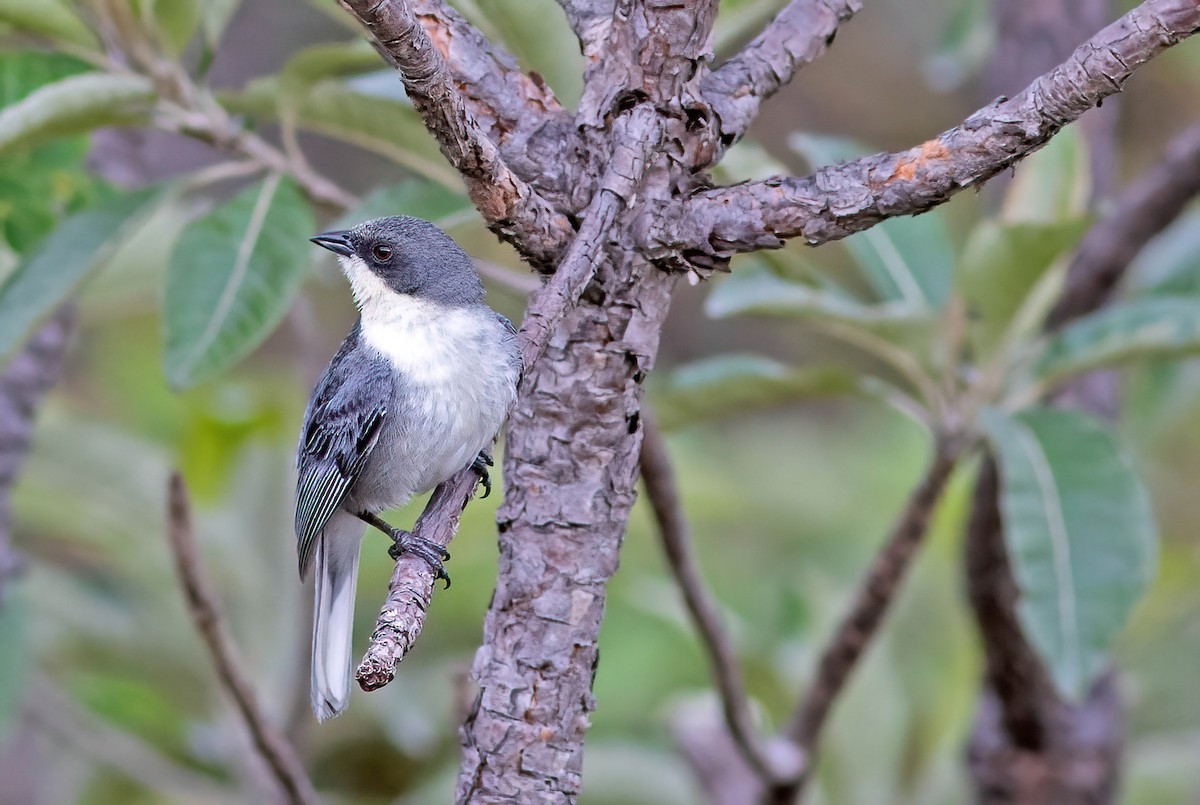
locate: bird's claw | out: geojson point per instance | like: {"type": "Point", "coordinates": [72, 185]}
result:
{"type": "Point", "coordinates": [480, 465]}
{"type": "Point", "coordinates": [433, 554]}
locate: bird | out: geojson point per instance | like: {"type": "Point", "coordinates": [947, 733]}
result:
{"type": "Point", "coordinates": [417, 392]}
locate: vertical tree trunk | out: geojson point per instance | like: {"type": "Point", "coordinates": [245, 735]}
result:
{"type": "Point", "coordinates": [571, 463]}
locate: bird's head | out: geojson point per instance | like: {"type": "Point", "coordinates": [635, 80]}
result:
{"type": "Point", "coordinates": [403, 255]}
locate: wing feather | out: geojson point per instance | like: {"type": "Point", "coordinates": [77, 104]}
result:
{"type": "Point", "coordinates": [341, 427]}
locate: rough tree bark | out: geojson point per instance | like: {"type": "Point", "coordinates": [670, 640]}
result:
{"type": "Point", "coordinates": [626, 172]}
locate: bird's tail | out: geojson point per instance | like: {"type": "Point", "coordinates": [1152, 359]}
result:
{"type": "Point", "coordinates": [333, 614]}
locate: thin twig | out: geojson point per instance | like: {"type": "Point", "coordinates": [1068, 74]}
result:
{"type": "Point", "coordinates": [279, 756]}
{"type": "Point", "coordinates": [871, 603]}
{"type": "Point", "coordinates": [659, 478]}
{"type": "Point", "coordinates": [411, 588]}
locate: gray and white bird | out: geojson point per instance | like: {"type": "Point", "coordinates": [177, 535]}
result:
{"type": "Point", "coordinates": [416, 393]}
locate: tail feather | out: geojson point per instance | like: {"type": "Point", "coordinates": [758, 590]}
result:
{"type": "Point", "coordinates": [333, 614]}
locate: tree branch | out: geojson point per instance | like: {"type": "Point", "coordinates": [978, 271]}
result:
{"type": "Point", "coordinates": [279, 756]}
{"type": "Point", "coordinates": [799, 35]}
{"type": "Point", "coordinates": [23, 384]}
{"type": "Point", "coordinates": [590, 20]}
{"type": "Point", "coordinates": [510, 206]}
{"type": "Point", "coordinates": [411, 588]}
{"type": "Point", "coordinates": [658, 476]}
{"type": "Point", "coordinates": [871, 603]}
{"type": "Point", "coordinates": [496, 90]}
{"type": "Point", "coordinates": [708, 228]}
{"type": "Point", "coordinates": [1143, 210]}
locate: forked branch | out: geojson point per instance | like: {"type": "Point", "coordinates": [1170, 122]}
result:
{"type": "Point", "coordinates": [712, 225]}
{"type": "Point", "coordinates": [509, 205]}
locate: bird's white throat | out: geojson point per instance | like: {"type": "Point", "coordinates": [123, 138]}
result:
{"type": "Point", "coordinates": [422, 339]}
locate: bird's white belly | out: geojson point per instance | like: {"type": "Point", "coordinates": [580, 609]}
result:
{"type": "Point", "coordinates": [454, 386]}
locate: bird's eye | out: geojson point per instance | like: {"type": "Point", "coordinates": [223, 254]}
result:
{"type": "Point", "coordinates": [381, 251]}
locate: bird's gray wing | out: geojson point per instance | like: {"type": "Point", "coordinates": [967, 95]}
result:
{"type": "Point", "coordinates": [341, 427]}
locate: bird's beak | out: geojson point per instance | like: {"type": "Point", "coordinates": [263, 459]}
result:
{"type": "Point", "coordinates": [336, 242]}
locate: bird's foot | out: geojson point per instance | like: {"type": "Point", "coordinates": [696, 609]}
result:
{"type": "Point", "coordinates": [480, 465]}
{"type": "Point", "coordinates": [433, 554]}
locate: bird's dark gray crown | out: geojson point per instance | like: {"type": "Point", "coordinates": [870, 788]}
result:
{"type": "Point", "coordinates": [414, 257]}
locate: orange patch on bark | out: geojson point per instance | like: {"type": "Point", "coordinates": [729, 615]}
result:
{"type": "Point", "coordinates": [916, 158]}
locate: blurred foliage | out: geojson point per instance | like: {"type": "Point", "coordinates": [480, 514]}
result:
{"type": "Point", "coordinates": [206, 273]}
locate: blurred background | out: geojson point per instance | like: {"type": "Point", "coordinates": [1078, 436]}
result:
{"type": "Point", "coordinates": [106, 694]}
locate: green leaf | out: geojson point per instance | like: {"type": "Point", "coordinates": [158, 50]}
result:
{"type": "Point", "coordinates": [77, 247]}
{"type": "Point", "coordinates": [910, 259]}
{"type": "Point", "coordinates": [1000, 266]}
{"type": "Point", "coordinates": [331, 60]}
{"type": "Point", "coordinates": [50, 18]}
{"type": "Point", "coordinates": [760, 291]}
{"type": "Point", "coordinates": [22, 72]}
{"type": "Point", "coordinates": [1140, 329]}
{"type": "Point", "coordinates": [215, 16]}
{"type": "Point", "coordinates": [415, 197]}
{"type": "Point", "coordinates": [231, 278]}
{"type": "Point", "coordinates": [174, 21]}
{"type": "Point", "coordinates": [746, 160]}
{"type": "Point", "coordinates": [907, 259]}
{"type": "Point", "coordinates": [386, 127]}
{"type": "Point", "coordinates": [741, 20]}
{"type": "Point", "coordinates": [733, 384]}
{"type": "Point", "coordinates": [1080, 536]}
{"type": "Point", "coordinates": [16, 657]}
{"type": "Point", "coordinates": [1053, 185]}
{"type": "Point", "coordinates": [75, 105]}
{"type": "Point", "coordinates": [40, 182]}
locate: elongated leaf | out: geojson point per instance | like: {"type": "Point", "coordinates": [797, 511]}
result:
{"type": "Point", "coordinates": [231, 278]}
{"type": "Point", "coordinates": [1000, 267]}
{"type": "Point", "coordinates": [50, 18]}
{"type": "Point", "coordinates": [759, 291]}
{"type": "Point", "coordinates": [331, 60]}
{"type": "Point", "coordinates": [216, 15]}
{"type": "Point", "coordinates": [734, 384]}
{"type": "Point", "coordinates": [1080, 535]}
{"type": "Point", "coordinates": [42, 181]}
{"type": "Point", "coordinates": [416, 197]}
{"type": "Point", "coordinates": [1157, 327]}
{"type": "Point", "coordinates": [1053, 184]}
{"type": "Point", "coordinates": [175, 22]}
{"type": "Point", "coordinates": [74, 105]}
{"type": "Point", "coordinates": [907, 259]}
{"type": "Point", "coordinates": [386, 127]}
{"type": "Point", "coordinates": [77, 247]}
